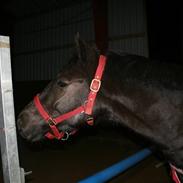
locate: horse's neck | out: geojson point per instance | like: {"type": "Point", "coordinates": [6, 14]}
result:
{"type": "Point", "coordinates": [119, 110]}
{"type": "Point", "coordinates": [113, 104]}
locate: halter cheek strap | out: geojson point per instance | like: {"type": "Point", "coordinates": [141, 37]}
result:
{"type": "Point", "coordinates": [52, 122]}
{"type": "Point", "coordinates": [95, 85]}
{"type": "Point", "coordinates": [87, 108]}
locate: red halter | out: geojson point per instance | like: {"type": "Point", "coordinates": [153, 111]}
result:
{"type": "Point", "coordinates": [86, 108]}
{"type": "Point", "coordinates": [174, 175]}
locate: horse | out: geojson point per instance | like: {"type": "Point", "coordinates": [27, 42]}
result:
{"type": "Point", "coordinates": [133, 91]}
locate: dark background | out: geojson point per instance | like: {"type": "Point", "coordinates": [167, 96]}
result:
{"type": "Point", "coordinates": [164, 32]}
{"type": "Point", "coordinates": [164, 24]}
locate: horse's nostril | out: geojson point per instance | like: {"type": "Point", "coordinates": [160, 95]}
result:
{"type": "Point", "coordinates": [20, 115]}
{"type": "Point", "coordinates": [20, 124]}
{"type": "Point", "coordinates": [20, 128]}
{"type": "Point", "coordinates": [21, 133]}
{"type": "Point", "coordinates": [23, 117]}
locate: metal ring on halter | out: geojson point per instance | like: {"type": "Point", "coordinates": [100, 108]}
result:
{"type": "Point", "coordinates": [66, 136]}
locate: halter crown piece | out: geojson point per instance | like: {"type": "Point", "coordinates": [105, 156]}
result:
{"type": "Point", "coordinates": [86, 108]}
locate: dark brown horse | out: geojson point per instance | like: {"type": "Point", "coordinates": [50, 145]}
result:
{"type": "Point", "coordinates": [142, 95]}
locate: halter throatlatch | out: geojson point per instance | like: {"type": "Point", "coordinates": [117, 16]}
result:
{"type": "Point", "coordinates": [86, 108]}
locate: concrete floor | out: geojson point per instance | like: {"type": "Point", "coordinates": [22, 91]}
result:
{"type": "Point", "coordinates": [86, 155]}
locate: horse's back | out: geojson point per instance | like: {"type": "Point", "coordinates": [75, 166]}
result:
{"type": "Point", "coordinates": [149, 72]}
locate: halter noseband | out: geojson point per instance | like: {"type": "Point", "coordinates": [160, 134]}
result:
{"type": "Point", "coordinates": [86, 108]}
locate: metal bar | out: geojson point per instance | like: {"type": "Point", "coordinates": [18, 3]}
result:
{"type": "Point", "coordinates": [67, 46]}
{"type": "Point", "coordinates": [8, 140]}
{"type": "Point", "coordinates": [57, 26]}
{"type": "Point", "coordinates": [44, 11]}
{"type": "Point", "coordinates": [114, 170]}
{"type": "Point", "coordinates": [128, 36]}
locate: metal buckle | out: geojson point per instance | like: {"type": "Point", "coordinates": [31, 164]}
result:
{"type": "Point", "coordinates": [51, 122]}
{"type": "Point", "coordinates": [90, 120]}
{"type": "Point", "coordinates": [95, 88]}
{"type": "Point", "coordinates": [66, 136]}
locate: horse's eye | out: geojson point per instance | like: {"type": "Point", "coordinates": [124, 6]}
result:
{"type": "Point", "coordinates": [62, 83]}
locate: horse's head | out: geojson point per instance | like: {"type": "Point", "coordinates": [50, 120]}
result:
{"type": "Point", "coordinates": [64, 94]}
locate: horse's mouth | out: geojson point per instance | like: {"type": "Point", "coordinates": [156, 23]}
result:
{"type": "Point", "coordinates": [33, 133]}
{"type": "Point", "coordinates": [29, 134]}
{"type": "Point", "coordinates": [31, 138]}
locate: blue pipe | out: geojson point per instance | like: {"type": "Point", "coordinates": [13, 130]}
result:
{"type": "Point", "coordinates": [117, 168]}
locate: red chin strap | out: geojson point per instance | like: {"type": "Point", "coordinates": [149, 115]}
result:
{"type": "Point", "coordinates": [86, 108]}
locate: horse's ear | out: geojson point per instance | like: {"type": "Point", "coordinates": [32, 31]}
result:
{"type": "Point", "coordinates": [81, 47]}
